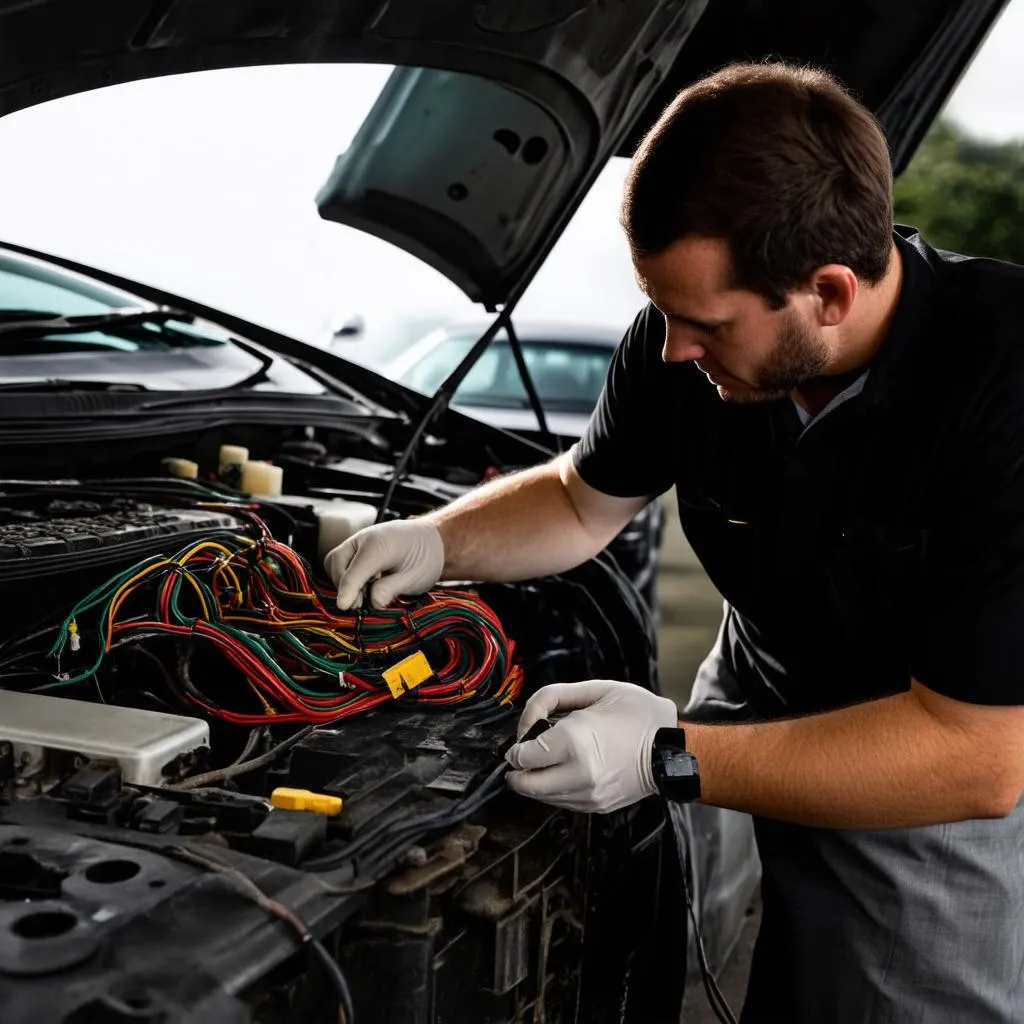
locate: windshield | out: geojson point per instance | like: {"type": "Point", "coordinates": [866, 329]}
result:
{"type": "Point", "coordinates": [64, 329]}
{"type": "Point", "coordinates": [568, 375]}
{"type": "Point", "coordinates": [35, 288]}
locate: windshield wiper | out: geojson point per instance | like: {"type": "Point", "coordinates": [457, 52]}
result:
{"type": "Point", "coordinates": [40, 326]}
{"type": "Point", "coordinates": [60, 384]}
{"type": "Point", "coordinates": [32, 324]}
{"type": "Point", "coordinates": [11, 315]}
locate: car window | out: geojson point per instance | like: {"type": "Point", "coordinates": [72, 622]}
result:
{"type": "Point", "coordinates": [29, 286]}
{"type": "Point", "coordinates": [568, 376]}
{"type": "Point", "coordinates": [429, 373]}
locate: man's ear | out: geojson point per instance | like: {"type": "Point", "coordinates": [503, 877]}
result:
{"type": "Point", "coordinates": [833, 288]}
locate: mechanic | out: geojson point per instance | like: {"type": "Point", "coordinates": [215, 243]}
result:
{"type": "Point", "coordinates": [841, 410]}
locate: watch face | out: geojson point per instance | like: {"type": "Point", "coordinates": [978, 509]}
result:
{"type": "Point", "coordinates": [679, 764]}
{"type": "Point", "coordinates": [676, 773]}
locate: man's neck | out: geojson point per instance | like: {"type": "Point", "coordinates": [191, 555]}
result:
{"type": "Point", "coordinates": [864, 332]}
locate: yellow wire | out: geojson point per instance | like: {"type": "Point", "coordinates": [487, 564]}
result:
{"type": "Point", "coordinates": [267, 707]}
{"type": "Point", "coordinates": [199, 592]}
{"type": "Point", "coordinates": [122, 591]}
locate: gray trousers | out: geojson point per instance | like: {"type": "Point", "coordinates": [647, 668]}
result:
{"type": "Point", "coordinates": [903, 926]}
{"type": "Point", "coordinates": [900, 926]}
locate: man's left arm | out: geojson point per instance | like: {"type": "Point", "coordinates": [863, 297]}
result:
{"type": "Point", "coordinates": [915, 758]}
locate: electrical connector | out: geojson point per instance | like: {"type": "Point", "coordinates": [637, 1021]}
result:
{"type": "Point", "coordinates": [74, 640]}
{"type": "Point", "coordinates": [407, 674]}
{"type": "Point", "coordinates": [286, 799]}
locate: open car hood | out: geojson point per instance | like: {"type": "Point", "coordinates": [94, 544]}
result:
{"type": "Point", "coordinates": [478, 178]}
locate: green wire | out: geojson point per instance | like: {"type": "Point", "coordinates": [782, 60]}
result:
{"type": "Point", "coordinates": [94, 598]}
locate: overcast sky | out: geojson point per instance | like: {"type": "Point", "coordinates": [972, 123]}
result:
{"type": "Point", "coordinates": [204, 185]}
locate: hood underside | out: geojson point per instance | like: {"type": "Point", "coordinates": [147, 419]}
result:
{"type": "Point", "coordinates": [478, 178]}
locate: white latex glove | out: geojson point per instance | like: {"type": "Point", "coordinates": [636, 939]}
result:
{"type": "Point", "coordinates": [597, 758]}
{"type": "Point", "coordinates": [405, 556]}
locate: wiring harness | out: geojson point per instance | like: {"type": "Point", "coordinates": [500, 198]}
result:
{"type": "Point", "coordinates": [255, 602]}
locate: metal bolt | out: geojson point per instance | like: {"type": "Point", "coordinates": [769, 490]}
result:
{"type": "Point", "coordinates": [415, 856]}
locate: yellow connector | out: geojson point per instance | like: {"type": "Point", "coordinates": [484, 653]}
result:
{"type": "Point", "coordinates": [303, 800]}
{"type": "Point", "coordinates": [75, 641]}
{"type": "Point", "coordinates": [408, 674]}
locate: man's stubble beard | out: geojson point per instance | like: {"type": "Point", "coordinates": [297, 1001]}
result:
{"type": "Point", "coordinates": [799, 354]}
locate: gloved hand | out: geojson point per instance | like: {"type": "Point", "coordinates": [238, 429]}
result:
{"type": "Point", "coordinates": [405, 556]}
{"type": "Point", "coordinates": [597, 758]}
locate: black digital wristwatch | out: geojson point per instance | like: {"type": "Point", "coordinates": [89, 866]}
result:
{"type": "Point", "coordinates": [675, 769]}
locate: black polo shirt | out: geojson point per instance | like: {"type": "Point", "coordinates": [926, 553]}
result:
{"type": "Point", "coordinates": [887, 540]}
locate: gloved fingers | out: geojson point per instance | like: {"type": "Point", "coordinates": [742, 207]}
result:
{"type": "Point", "coordinates": [559, 697]}
{"type": "Point", "coordinates": [360, 570]}
{"type": "Point", "coordinates": [550, 748]}
{"type": "Point", "coordinates": [386, 589]}
{"type": "Point", "coordinates": [560, 785]}
{"type": "Point", "coordinates": [337, 560]}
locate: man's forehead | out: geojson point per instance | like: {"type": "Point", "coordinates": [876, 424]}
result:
{"type": "Point", "coordinates": [695, 273]}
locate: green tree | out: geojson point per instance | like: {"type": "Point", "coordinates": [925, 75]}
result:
{"type": "Point", "coordinates": [965, 194]}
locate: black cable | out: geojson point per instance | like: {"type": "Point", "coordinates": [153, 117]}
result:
{"type": "Point", "coordinates": [487, 791]}
{"type": "Point", "coordinates": [400, 828]}
{"type": "Point", "coordinates": [401, 823]}
{"type": "Point", "coordinates": [678, 829]}
{"type": "Point", "coordinates": [337, 979]}
{"type": "Point", "coordinates": [610, 631]}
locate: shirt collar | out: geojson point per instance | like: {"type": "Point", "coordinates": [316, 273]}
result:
{"type": "Point", "coordinates": [908, 332]}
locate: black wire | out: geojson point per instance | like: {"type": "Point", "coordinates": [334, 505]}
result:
{"type": "Point", "coordinates": [488, 790]}
{"type": "Point", "coordinates": [399, 828]}
{"type": "Point", "coordinates": [610, 630]}
{"type": "Point", "coordinates": [336, 978]}
{"type": "Point", "coordinates": [678, 830]}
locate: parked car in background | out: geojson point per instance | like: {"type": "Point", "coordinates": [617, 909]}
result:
{"type": "Point", "coordinates": [567, 363]}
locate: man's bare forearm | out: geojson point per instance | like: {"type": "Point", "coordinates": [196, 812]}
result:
{"type": "Point", "coordinates": [889, 763]}
{"type": "Point", "coordinates": [528, 524]}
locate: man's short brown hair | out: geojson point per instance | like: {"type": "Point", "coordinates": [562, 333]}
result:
{"type": "Point", "coordinates": [778, 160]}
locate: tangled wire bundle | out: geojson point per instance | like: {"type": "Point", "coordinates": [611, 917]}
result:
{"type": "Point", "coordinates": [254, 601]}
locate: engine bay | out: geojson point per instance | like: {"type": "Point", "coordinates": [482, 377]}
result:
{"type": "Point", "coordinates": [185, 712]}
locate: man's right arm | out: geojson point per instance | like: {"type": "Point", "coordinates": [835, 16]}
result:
{"type": "Point", "coordinates": [531, 523]}
{"type": "Point", "coordinates": [539, 521]}
{"type": "Point", "coordinates": [545, 519]}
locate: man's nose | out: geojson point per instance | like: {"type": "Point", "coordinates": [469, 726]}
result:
{"type": "Point", "coordinates": [682, 347]}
